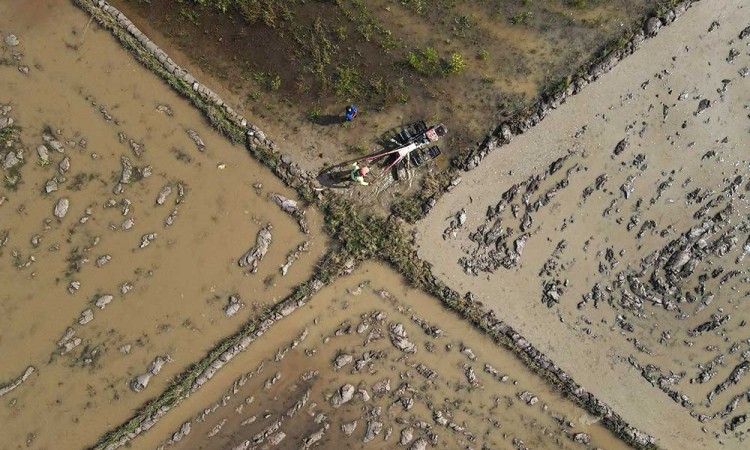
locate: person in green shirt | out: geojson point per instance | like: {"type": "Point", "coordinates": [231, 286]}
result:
{"type": "Point", "coordinates": [359, 173]}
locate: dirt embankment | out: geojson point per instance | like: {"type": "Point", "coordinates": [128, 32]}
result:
{"type": "Point", "coordinates": [391, 58]}
{"type": "Point", "coordinates": [123, 217]}
{"type": "Point", "coordinates": [631, 247]}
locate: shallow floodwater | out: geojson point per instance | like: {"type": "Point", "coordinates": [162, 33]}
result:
{"type": "Point", "coordinates": [170, 272]}
{"type": "Point", "coordinates": [631, 249]}
{"type": "Point", "coordinates": [282, 391]}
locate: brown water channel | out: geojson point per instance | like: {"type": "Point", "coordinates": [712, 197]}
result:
{"type": "Point", "coordinates": [84, 95]}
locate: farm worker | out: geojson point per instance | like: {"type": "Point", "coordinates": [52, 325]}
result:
{"type": "Point", "coordinates": [359, 173]}
{"type": "Point", "coordinates": [351, 113]}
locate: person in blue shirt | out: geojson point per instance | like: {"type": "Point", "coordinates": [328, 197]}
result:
{"type": "Point", "coordinates": [351, 113]}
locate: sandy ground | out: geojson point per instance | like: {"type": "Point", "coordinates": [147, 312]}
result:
{"type": "Point", "coordinates": [595, 218]}
{"type": "Point", "coordinates": [131, 272]}
{"type": "Point", "coordinates": [285, 391]}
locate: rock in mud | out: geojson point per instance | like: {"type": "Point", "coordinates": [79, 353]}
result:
{"type": "Point", "coordinates": [11, 40]}
{"type": "Point", "coordinates": [702, 106]}
{"type": "Point", "coordinates": [43, 154]}
{"type": "Point", "coordinates": [11, 160]}
{"type": "Point", "coordinates": [407, 434]}
{"type": "Point", "coordinates": [197, 139]}
{"type": "Point", "coordinates": [233, 307]}
{"type": "Point", "coordinates": [61, 208]}
{"type": "Point", "coordinates": [621, 146]}
{"type": "Point", "coordinates": [419, 444]}
{"type": "Point", "coordinates": [342, 360]}
{"type": "Point", "coordinates": [86, 317]}
{"type": "Point", "coordinates": [582, 438]}
{"type": "Point", "coordinates": [182, 432]}
{"type": "Point", "coordinates": [343, 395]}
{"type": "Point", "coordinates": [51, 186]}
{"type": "Point", "coordinates": [140, 382]}
{"type": "Point", "coordinates": [53, 143]}
{"type": "Point", "coordinates": [291, 207]}
{"type": "Point", "coordinates": [128, 224]}
{"type": "Point", "coordinates": [17, 382]}
{"type": "Point", "coordinates": [127, 170]}
{"type": "Point", "coordinates": [103, 301]}
{"type": "Point", "coordinates": [399, 339]}
{"type": "Point", "coordinates": [349, 427]}
{"type": "Point", "coordinates": [315, 437]}
{"type": "Point", "coordinates": [102, 260]}
{"type": "Point", "coordinates": [256, 254]}
{"type": "Point", "coordinates": [163, 194]}
{"type": "Point", "coordinates": [373, 430]}
{"type": "Point", "coordinates": [64, 165]}
{"type": "Point", "coordinates": [146, 239]}
{"type": "Point", "coordinates": [158, 363]}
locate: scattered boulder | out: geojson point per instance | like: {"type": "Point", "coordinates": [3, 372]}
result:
{"type": "Point", "coordinates": [61, 208]}
{"type": "Point", "coordinates": [11, 40]}
{"type": "Point", "coordinates": [343, 395]}
{"type": "Point", "coordinates": [256, 254]}
{"type": "Point", "coordinates": [86, 317]}
{"type": "Point", "coordinates": [400, 340]}
{"type": "Point", "coordinates": [349, 427]}
{"type": "Point", "coordinates": [103, 301]}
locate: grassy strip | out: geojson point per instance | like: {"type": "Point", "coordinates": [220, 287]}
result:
{"type": "Point", "coordinates": [356, 237]}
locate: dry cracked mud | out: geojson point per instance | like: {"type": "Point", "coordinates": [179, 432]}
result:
{"type": "Point", "coordinates": [615, 235]}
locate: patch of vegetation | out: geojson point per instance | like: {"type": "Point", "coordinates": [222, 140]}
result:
{"type": "Point", "coordinates": [80, 179]}
{"type": "Point", "coordinates": [313, 114]}
{"type": "Point", "coordinates": [483, 55]}
{"type": "Point", "coordinates": [9, 135]}
{"type": "Point", "coordinates": [427, 63]}
{"type": "Point", "coordinates": [521, 17]}
{"type": "Point", "coordinates": [347, 82]}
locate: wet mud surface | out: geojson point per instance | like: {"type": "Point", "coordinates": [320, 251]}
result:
{"type": "Point", "coordinates": [123, 218]}
{"type": "Point", "coordinates": [620, 230]}
{"type": "Point", "coordinates": [372, 364]}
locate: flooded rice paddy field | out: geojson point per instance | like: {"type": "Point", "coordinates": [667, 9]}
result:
{"type": "Point", "coordinates": [122, 220]}
{"type": "Point", "coordinates": [370, 363]}
{"type": "Point", "coordinates": [628, 242]}
{"type": "Point", "coordinates": [292, 66]}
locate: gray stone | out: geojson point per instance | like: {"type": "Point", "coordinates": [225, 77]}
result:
{"type": "Point", "coordinates": [51, 185]}
{"type": "Point", "coordinates": [652, 26]}
{"type": "Point", "coordinates": [349, 427]}
{"type": "Point", "coordinates": [11, 160]}
{"type": "Point", "coordinates": [11, 40]}
{"type": "Point", "coordinates": [86, 317]}
{"type": "Point", "coordinates": [61, 208]}
{"type": "Point", "coordinates": [43, 153]}
{"type": "Point", "coordinates": [103, 301]}
{"type": "Point", "coordinates": [343, 395]}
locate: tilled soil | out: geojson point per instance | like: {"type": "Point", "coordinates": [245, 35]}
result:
{"type": "Point", "coordinates": [123, 219]}
{"type": "Point", "coordinates": [619, 229]}
{"type": "Point", "coordinates": [372, 364]}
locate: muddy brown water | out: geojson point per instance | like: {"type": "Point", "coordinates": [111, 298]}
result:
{"type": "Point", "coordinates": [668, 356]}
{"type": "Point", "coordinates": [262, 386]}
{"type": "Point", "coordinates": [88, 90]}
{"type": "Point", "coordinates": [521, 60]}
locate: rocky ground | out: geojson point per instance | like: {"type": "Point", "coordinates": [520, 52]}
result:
{"type": "Point", "coordinates": [620, 228]}
{"type": "Point", "coordinates": [132, 236]}
{"type": "Point", "coordinates": [371, 364]}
